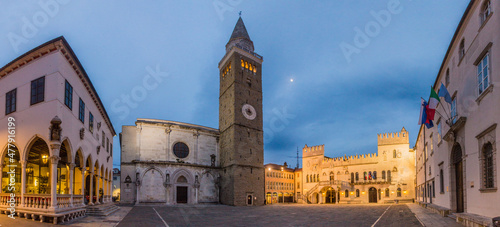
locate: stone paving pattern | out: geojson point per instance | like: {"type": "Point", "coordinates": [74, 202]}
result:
{"type": "Point", "coordinates": [270, 215]}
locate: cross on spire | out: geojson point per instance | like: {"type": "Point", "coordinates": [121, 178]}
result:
{"type": "Point", "coordinates": [240, 13]}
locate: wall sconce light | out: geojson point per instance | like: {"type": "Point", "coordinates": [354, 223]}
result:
{"type": "Point", "coordinates": [269, 169]}
{"type": "Point", "coordinates": [404, 192]}
{"type": "Point", "coordinates": [363, 192]}
{"type": "Point", "coordinates": [45, 158]}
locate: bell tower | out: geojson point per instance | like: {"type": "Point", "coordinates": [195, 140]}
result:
{"type": "Point", "coordinates": [240, 122]}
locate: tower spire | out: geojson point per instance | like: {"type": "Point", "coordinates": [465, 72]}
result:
{"type": "Point", "coordinates": [240, 37]}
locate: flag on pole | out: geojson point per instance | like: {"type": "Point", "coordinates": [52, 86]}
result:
{"type": "Point", "coordinates": [433, 102]}
{"type": "Point", "coordinates": [423, 119]}
{"type": "Point", "coordinates": [443, 92]}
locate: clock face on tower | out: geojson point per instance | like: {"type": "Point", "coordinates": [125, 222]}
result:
{"type": "Point", "coordinates": [249, 111]}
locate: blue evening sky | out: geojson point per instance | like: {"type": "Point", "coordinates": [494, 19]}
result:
{"type": "Point", "coordinates": [340, 98]}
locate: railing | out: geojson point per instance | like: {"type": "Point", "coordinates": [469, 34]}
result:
{"type": "Point", "coordinates": [5, 199]}
{"type": "Point", "coordinates": [77, 200]}
{"type": "Point", "coordinates": [372, 182]}
{"type": "Point", "coordinates": [63, 200]}
{"type": "Point", "coordinates": [37, 201]}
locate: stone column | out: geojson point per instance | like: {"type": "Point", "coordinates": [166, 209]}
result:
{"type": "Point", "coordinates": [54, 159]}
{"type": "Point", "coordinates": [71, 177]}
{"type": "Point", "coordinates": [83, 185]}
{"type": "Point", "coordinates": [23, 180]}
{"type": "Point", "coordinates": [91, 190]}
{"type": "Point", "coordinates": [98, 184]}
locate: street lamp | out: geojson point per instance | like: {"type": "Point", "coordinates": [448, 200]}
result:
{"type": "Point", "coordinates": [45, 158]}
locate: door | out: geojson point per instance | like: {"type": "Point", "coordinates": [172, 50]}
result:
{"type": "Point", "coordinates": [372, 195]}
{"type": "Point", "coordinates": [460, 188]}
{"type": "Point", "coordinates": [459, 184]}
{"type": "Point", "coordinates": [249, 200]}
{"type": "Point", "coordinates": [330, 196]}
{"type": "Point", "coordinates": [182, 194]}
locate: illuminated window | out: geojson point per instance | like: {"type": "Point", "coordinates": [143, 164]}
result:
{"type": "Point", "coordinates": [242, 64]}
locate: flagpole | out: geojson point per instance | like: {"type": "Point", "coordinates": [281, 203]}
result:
{"type": "Point", "coordinates": [425, 167]}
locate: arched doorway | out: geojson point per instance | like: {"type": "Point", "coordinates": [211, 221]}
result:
{"type": "Point", "coordinates": [77, 174]}
{"type": "Point", "coordinates": [152, 190]}
{"type": "Point", "coordinates": [330, 196]}
{"type": "Point", "coordinates": [457, 172]}
{"type": "Point", "coordinates": [182, 191]}
{"type": "Point", "coordinates": [268, 198]}
{"type": "Point", "coordinates": [372, 195]}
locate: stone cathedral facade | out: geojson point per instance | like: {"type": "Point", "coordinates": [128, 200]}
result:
{"type": "Point", "coordinates": [170, 162]}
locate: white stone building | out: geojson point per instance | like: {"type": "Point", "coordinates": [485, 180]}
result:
{"type": "Point", "coordinates": [174, 163]}
{"type": "Point", "coordinates": [457, 159]}
{"type": "Point", "coordinates": [61, 138]}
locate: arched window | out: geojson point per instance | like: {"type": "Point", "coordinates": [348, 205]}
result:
{"type": "Point", "coordinates": [394, 155]}
{"type": "Point", "coordinates": [357, 176]}
{"type": "Point", "coordinates": [374, 175]}
{"type": "Point", "coordinates": [485, 11]}
{"type": "Point", "coordinates": [370, 175]}
{"type": "Point", "coordinates": [447, 78]}
{"type": "Point", "coordinates": [357, 192]}
{"type": "Point", "coordinates": [383, 175]}
{"type": "Point", "coordinates": [352, 178]}
{"type": "Point", "coordinates": [307, 178]}
{"type": "Point", "coordinates": [346, 193]}
{"type": "Point", "coordinates": [461, 49]}
{"type": "Point", "coordinates": [488, 166]}
{"type": "Point", "coordinates": [388, 175]}
{"type": "Point", "coordinates": [387, 192]}
{"type": "Point", "coordinates": [318, 177]}
{"type": "Point", "coordinates": [399, 192]}
{"type": "Point", "coordinates": [365, 175]}
{"type": "Point", "coordinates": [314, 179]}
{"type": "Point", "coordinates": [332, 177]}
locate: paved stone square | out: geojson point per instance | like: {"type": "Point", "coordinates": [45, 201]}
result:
{"type": "Point", "coordinates": [272, 215]}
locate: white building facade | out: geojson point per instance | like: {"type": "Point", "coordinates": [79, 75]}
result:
{"type": "Point", "coordinates": [169, 162]}
{"type": "Point", "coordinates": [59, 156]}
{"type": "Point", "coordinates": [457, 159]}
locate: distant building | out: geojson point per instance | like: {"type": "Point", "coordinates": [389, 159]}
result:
{"type": "Point", "coordinates": [62, 149]}
{"type": "Point", "coordinates": [387, 176]}
{"type": "Point", "coordinates": [116, 184]}
{"type": "Point", "coordinates": [457, 159]}
{"type": "Point", "coordinates": [172, 162]}
{"type": "Point", "coordinates": [280, 183]}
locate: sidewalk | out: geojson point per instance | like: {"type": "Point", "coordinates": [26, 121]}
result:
{"type": "Point", "coordinates": [429, 218]}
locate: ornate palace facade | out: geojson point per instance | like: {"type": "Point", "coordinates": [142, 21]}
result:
{"type": "Point", "coordinates": [383, 177]}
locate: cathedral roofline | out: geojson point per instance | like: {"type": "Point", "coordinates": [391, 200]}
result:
{"type": "Point", "coordinates": [157, 121]}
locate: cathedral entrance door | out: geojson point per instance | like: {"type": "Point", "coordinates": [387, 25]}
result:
{"type": "Point", "coordinates": [182, 194]}
{"type": "Point", "coordinates": [372, 195]}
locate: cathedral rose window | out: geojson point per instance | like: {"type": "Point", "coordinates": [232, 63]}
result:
{"type": "Point", "coordinates": [181, 150]}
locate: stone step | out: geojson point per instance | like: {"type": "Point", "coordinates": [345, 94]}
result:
{"type": "Point", "coordinates": [102, 210]}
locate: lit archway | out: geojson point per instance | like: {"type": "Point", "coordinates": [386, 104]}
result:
{"type": "Point", "coordinates": [10, 161]}
{"type": "Point", "coordinates": [37, 168]}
